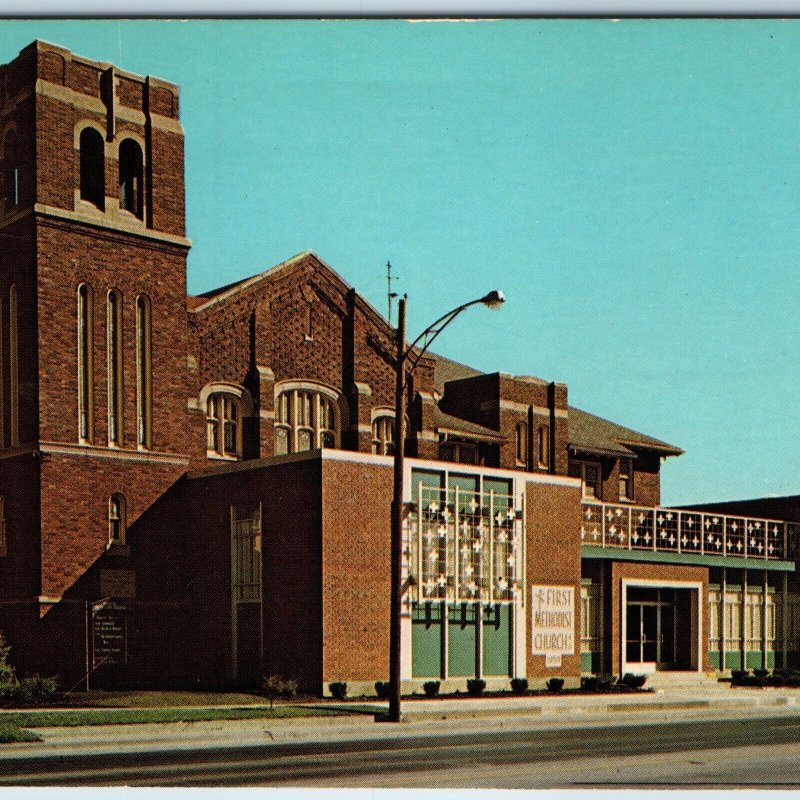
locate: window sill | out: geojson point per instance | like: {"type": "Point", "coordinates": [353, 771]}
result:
{"type": "Point", "coordinates": [213, 455]}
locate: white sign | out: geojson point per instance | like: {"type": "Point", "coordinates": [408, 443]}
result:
{"type": "Point", "coordinates": [552, 622]}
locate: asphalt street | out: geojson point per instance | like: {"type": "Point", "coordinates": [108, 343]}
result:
{"type": "Point", "coordinates": [762, 752]}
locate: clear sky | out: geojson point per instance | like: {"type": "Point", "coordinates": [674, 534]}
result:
{"type": "Point", "coordinates": [633, 187]}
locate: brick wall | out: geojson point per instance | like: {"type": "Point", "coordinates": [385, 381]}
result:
{"type": "Point", "coordinates": [356, 576]}
{"type": "Point", "coordinates": [553, 558]}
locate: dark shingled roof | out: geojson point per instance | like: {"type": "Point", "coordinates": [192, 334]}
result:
{"type": "Point", "coordinates": [587, 433]}
{"type": "Point", "coordinates": [592, 434]}
{"type": "Point", "coordinates": [469, 429]}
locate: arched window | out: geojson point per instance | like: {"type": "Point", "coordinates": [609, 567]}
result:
{"type": "Point", "coordinates": [305, 419]}
{"type": "Point", "coordinates": [85, 363]}
{"type": "Point", "coordinates": [116, 519]}
{"type": "Point", "coordinates": [93, 163]}
{"type": "Point", "coordinates": [224, 425]}
{"type": "Point", "coordinates": [114, 350]}
{"type": "Point", "coordinates": [383, 434]}
{"type": "Point", "coordinates": [13, 364]}
{"type": "Point", "coordinates": [11, 173]}
{"type": "Point", "coordinates": [130, 177]}
{"type": "Point", "coordinates": [144, 378]}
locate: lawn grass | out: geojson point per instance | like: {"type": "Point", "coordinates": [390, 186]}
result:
{"type": "Point", "coordinates": [131, 716]}
{"type": "Point", "coordinates": [159, 699]}
{"type": "Point", "coordinates": [13, 733]}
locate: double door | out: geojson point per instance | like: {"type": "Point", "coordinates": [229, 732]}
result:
{"type": "Point", "coordinates": [650, 627]}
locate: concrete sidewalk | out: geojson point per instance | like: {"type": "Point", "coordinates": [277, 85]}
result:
{"type": "Point", "coordinates": [420, 718]}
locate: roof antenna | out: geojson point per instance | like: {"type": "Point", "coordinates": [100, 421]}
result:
{"type": "Point", "coordinates": [390, 295]}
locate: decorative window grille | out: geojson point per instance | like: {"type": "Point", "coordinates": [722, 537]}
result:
{"type": "Point", "coordinates": [305, 419]}
{"type": "Point", "coordinates": [464, 545]}
{"type": "Point", "coordinates": [383, 435]}
{"type": "Point", "coordinates": [246, 552]}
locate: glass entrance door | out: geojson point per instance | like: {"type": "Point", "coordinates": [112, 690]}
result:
{"type": "Point", "coordinates": [650, 627]}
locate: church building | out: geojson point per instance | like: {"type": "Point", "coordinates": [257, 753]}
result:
{"type": "Point", "coordinates": [195, 490]}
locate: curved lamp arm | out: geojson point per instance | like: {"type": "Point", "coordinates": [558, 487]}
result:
{"type": "Point", "coordinates": [494, 299]}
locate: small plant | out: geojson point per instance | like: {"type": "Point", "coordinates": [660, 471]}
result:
{"type": "Point", "coordinates": [383, 689]}
{"type": "Point", "coordinates": [776, 679]}
{"type": "Point", "coordinates": [338, 690]}
{"type": "Point", "coordinates": [739, 676]}
{"type": "Point", "coordinates": [274, 687]}
{"type": "Point", "coordinates": [475, 686]}
{"type": "Point", "coordinates": [633, 681]}
{"type": "Point", "coordinates": [591, 683]}
{"type": "Point", "coordinates": [431, 688]}
{"type": "Point", "coordinates": [555, 684]}
{"type": "Point", "coordinates": [519, 685]}
{"type": "Point", "coordinates": [605, 681]}
{"type": "Point", "coordinates": [761, 673]}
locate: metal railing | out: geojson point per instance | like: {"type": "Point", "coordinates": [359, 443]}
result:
{"type": "Point", "coordinates": [699, 532]}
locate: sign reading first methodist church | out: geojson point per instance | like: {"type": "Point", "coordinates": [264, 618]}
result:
{"type": "Point", "coordinates": [553, 623]}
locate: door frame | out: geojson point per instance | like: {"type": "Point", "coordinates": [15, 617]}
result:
{"type": "Point", "coordinates": [652, 583]}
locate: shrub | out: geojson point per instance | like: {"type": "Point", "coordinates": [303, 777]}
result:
{"type": "Point", "coordinates": [475, 686]}
{"type": "Point", "coordinates": [605, 681]}
{"type": "Point", "coordinates": [633, 681]}
{"type": "Point", "coordinates": [519, 685]}
{"type": "Point", "coordinates": [431, 688]}
{"type": "Point", "coordinates": [274, 687]}
{"type": "Point", "coordinates": [383, 689]}
{"type": "Point", "coordinates": [40, 688]}
{"type": "Point", "coordinates": [775, 680]}
{"type": "Point", "coordinates": [739, 675]}
{"type": "Point", "coordinates": [338, 690]}
{"type": "Point", "coordinates": [555, 684]}
{"type": "Point", "coordinates": [761, 673]}
{"type": "Point", "coordinates": [591, 683]}
{"type": "Point", "coordinates": [7, 674]}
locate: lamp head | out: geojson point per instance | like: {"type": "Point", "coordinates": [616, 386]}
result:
{"type": "Point", "coordinates": [494, 299]}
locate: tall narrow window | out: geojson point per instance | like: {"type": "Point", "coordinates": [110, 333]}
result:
{"type": "Point", "coordinates": [625, 479]}
{"type": "Point", "coordinates": [116, 519]}
{"type": "Point", "coordinates": [130, 177]}
{"type": "Point", "coordinates": [3, 543]}
{"type": "Point", "coordinates": [11, 171]}
{"type": "Point", "coordinates": [114, 346]}
{"type": "Point", "coordinates": [93, 188]}
{"type": "Point", "coordinates": [144, 377]}
{"type": "Point", "coordinates": [522, 444]}
{"type": "Point", "coordinates": [85, 365]}
{"type": "Point", "coordinates": [543, 456]}
{"type": "Point", "coordinates": [13, 365]}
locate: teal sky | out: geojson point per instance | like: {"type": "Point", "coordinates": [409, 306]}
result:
{"type": "Point", "coordinates": [633, 187]}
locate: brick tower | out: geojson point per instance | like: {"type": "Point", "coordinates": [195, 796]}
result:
{"type": "Point", "coordinates": [93, 337]}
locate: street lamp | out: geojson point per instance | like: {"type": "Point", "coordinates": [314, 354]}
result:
{"type": "Point", "coordinates": [493, 300]}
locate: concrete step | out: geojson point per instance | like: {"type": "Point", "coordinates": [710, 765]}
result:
{"type": "Point", "coordinates": [674, 679]}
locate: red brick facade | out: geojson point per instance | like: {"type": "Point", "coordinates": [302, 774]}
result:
{"type": "Point", "coordinates": [185, 423]}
